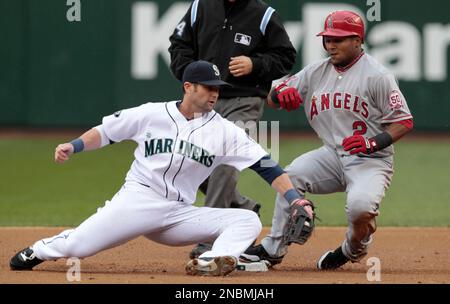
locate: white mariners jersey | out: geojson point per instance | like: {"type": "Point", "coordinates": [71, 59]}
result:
{"type": "Point", "coordinates": [359, 100]}
{"type": "Point", "coordinates": [174, 155]}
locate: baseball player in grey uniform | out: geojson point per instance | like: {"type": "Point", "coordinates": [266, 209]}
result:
{"type": "Point", "coordinates": [179, 144]}
{"type": "Point", "coordinates": [355, 106]}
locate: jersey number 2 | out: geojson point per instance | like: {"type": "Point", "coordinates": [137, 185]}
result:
{"type": "Point", "coordinates": [360, 127]}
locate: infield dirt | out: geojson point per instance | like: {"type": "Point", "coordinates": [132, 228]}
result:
{"type": "Point", "coordinates": [406, 255]}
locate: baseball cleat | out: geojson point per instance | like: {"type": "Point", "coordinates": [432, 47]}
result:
{"type": "Point", "coordinates": [200, 249]}
{"type": "Point", "coordinates": [24, 260]}
{"type": "Point", "coordinates": [332, 259]}
{"type": "Point", "coordinates": [218, 266]}
{"type": "Point", "coordinates": [257, 254]}
{"type": "Point", "coordinates": [256, 209]}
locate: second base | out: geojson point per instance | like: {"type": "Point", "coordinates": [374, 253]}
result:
{"type": "Point", "coordinates": [253, 266]}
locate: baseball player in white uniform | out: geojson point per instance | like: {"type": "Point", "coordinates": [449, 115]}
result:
{"type": "Point", "coordinates": [179, 145]}
{"type": "Point", "coordinates": [355, 106]}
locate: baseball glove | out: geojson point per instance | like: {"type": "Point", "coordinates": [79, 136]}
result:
{"type": "Point", "coordinates": [301, 222]}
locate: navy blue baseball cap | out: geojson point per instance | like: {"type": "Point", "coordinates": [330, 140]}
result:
{"type": "Point", "coordinates": [203, 72]}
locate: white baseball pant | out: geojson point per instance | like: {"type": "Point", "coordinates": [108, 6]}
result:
{"type": "Point", "coordinates": [137, 210]}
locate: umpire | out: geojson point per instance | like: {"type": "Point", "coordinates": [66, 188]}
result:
{"type": "Point", "coordinates": [246, 39]}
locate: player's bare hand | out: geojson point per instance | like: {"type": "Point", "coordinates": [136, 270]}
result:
{"type": "Point", "coordinates": [62, 152]}
{"type": "Point", "coordinates": [240, 66]}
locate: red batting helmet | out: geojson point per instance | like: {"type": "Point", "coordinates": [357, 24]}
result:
{"type": "Point", "coordinates": [343, 24]}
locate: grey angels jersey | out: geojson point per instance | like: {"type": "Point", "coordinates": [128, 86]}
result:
{"type": "Point", "coordinates": [360, 100]}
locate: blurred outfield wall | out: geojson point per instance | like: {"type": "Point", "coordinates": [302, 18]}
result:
{"type": "Point", "coordinates": [60, 73]}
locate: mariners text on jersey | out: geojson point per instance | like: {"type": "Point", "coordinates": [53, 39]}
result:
{"type": "Point", "coordinates": [165, 162]}
{"type": "Point", "coordinates": [185, 148]}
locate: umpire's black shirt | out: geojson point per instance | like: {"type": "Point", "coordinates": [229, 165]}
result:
{"type": "Point", "coordinates": [216, 30]}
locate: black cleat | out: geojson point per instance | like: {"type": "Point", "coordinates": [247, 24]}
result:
{"type": "Point", "coordinates": [24, 260]}
{"type": "Point", "coordinates": [256, 209]}
{"type": "Point", "coordinates": [199, 250]}
{"type": "Point", "coordinates": [257, 254]}
{"type": "Point", "coordinates": [332, 259]}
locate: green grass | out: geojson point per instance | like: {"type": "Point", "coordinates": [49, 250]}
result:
{"type": "Point", "coordinates": [36, 191]}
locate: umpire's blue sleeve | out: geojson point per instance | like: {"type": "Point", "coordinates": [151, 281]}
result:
{"type": "Point", "coordinates": [267, 168]}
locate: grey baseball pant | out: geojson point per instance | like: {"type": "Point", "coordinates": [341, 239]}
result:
{"type": "Point", "coordinates": [323, 171]}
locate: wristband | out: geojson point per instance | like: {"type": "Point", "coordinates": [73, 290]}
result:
{"type": "Point", "coordinates": [274, 96]}
{"type": "Point", "coordinates": [78, 145]}
{"type": "Point", "coordinates": [382, 141]}
{"type": "Point", "coordinates": [291, 195]}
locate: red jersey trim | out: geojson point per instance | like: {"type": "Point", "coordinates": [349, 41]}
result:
{"type": "Point", "coordinates": [408, 123]}
{"type": "Point", "coordinates": [343, 69]}
{"type": "Point", "coordinates": [396, 119]}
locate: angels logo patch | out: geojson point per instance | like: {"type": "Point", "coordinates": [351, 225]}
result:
{"type": "Point", "coordinates": [395, 100]}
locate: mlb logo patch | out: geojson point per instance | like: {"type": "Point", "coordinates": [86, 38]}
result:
{"type": "Point", "coordinates": [242, 39]}
{"type": "Point", "coordinates": [395, 100]}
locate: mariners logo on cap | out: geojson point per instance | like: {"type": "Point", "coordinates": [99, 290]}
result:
{"type": "Point", "coordinates": [216, 70]}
